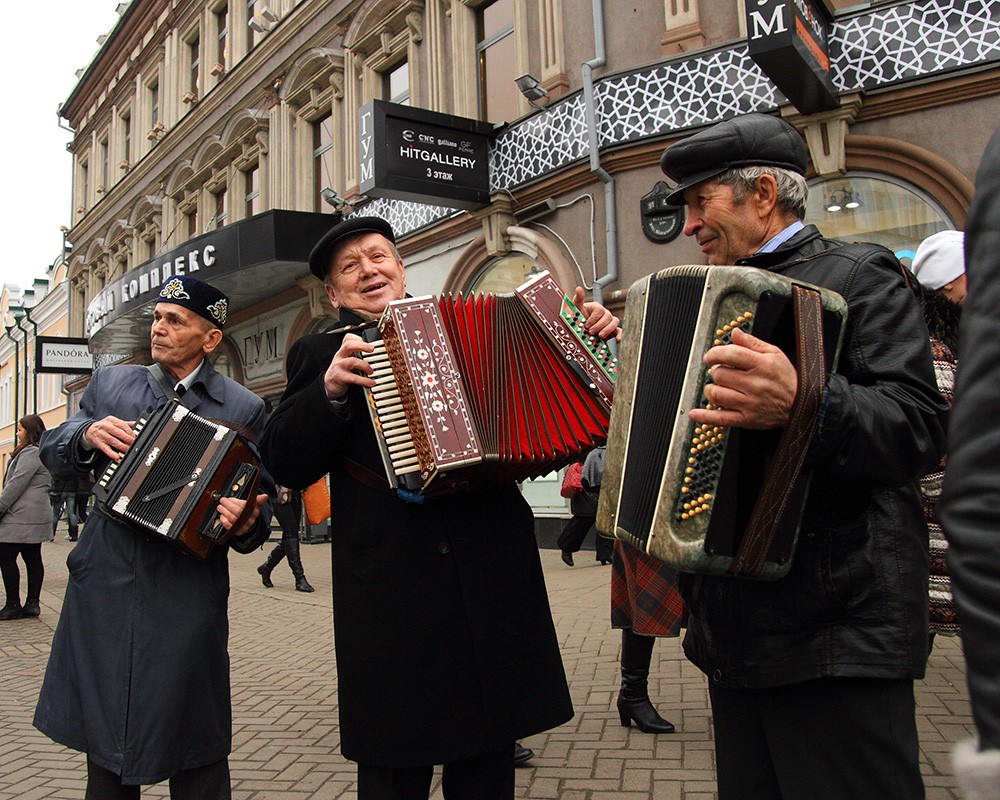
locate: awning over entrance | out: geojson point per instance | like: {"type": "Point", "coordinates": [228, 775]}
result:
{"type": "Point", "coordinates": [249, 260]}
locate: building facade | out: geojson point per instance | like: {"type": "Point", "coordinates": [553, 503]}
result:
{"type": "Point", "coordinates": [215, 136]}
{"type": "Point", "coordinates": [38, 311]}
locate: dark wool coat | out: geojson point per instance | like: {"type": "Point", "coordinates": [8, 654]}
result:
{"type": "Point", "coordinates": [138, 677]}
{"type": "Point", "coordinates": [444, 638]}
{"type": "Point", "coordinates": [854, 603]}
{"type": "Point", "coordinates": [970, 504]}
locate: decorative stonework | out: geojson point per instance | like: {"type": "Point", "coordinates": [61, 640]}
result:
{"type": "Point", "coordinates": [880, 47]}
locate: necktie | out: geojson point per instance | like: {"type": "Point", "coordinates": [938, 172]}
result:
{"type": "Point", "coordinates": [180, 388]}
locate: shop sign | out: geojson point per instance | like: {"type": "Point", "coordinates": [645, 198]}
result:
{"type": "Point", "coordinates": [789, 41]}
{"type": "Point", "coordinates": [61, 354]}
{"type": "Point", "coordinates": [423, 156]}
{"type": "Point", "coordinates": [200, 257]}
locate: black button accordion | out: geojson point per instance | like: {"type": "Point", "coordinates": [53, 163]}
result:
{"type": "Point", "coordinates": [170, 481]}
{"type": "Point", "coordinates": [705, 499]}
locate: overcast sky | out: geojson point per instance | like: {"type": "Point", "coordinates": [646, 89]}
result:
{"type": "Point", "coordinates": [41, 51]}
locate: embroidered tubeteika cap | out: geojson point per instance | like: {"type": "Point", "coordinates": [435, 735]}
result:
{"type": "Point", "coordinates": [204, 300]}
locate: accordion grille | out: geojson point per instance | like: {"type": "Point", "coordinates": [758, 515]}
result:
{"type": "Point", "coordinates": [663, 356]}
{"type": "Point", "coordinates": [187, 446]}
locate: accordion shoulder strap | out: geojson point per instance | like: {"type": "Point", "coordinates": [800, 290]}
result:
{"type": "Point", "coordinates": [785, 469]}
{"type": "Point", "coordinates": [161, 378]}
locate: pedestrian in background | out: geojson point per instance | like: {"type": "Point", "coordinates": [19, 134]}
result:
{"type": "Point", "coordinates": [939, 266]}
{"type": "Point", "coordinates": [25, 520]}
{"type": "Point", "coordinates": [84, 487]}
{"type": "Point", "coordinates": [288, 512]}
{"type": "Point", "coordinates": [583, 493]}
{"type": "Point", "coordinates": [62, 495]}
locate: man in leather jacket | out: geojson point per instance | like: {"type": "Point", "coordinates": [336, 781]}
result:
{"type": "Point", "coordinates": [970, 503]}
{"type": "Point", "coordinates": [811, 676]}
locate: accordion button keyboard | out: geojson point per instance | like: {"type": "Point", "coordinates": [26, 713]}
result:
{"type": "Point", "coordinates": [390, 413]}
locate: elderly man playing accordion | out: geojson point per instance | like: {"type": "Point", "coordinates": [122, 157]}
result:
{"type": "Point", "coordinates": [446, 651]}
{"type": "Point", "coordinates": [138, 677]}
{"type": "Point", "coordinates": [811, 675]}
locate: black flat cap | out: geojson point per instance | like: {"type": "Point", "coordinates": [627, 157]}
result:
{"type": "Point", "coordinates": [319, 258]}
{"type": "Point", "coordinates": [753, 140]}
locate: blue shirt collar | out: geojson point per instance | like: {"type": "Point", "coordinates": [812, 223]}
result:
{"type": "Point", "coordinates": [779, 239]}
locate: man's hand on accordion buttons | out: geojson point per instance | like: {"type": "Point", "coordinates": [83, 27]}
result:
{"type": "Point", "coordinates": [230, 508]}
{"type": "Point", "coordinates": [110, 435]}
{"type": "Point", "coordinates": [599, 321]}
{"type": "Point", "coordinates": [754, 385]}
{"type": "Point", "coordinates": [348, 368]}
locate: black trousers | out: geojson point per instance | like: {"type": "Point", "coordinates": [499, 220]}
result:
{"type": "Point", "coordinates": [571, 538]}
{"type": "Point", "coordinates": [210, 782]}
{"type": "Point", "coordinates": [485, 777]}
{"type": "Point", "coordinates": [32, 555]}
{"type": "Point", "coordinates": [826, 739]}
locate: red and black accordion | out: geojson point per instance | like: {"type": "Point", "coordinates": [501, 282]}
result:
{"type": "Point", "coordinates": [708, 499]}
{"type": "Point", "coordinates": [486, 387]}
{"type": "Point", "coordinates": [169, 482]}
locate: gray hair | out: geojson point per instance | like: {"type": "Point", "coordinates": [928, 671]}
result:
{"type": "Point", "coordinates": [792, 187]}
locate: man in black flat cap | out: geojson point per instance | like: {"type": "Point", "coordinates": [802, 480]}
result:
{"type": "Point", "coordinates": [811, 676]}
{"type": "Point", "coordinates": [138, 676]}
{"type": "Point", "coordinates": [446, 651]}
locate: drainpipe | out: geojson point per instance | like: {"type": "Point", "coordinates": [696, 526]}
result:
{"type": "Point", "coordinates": [24, 377]}
{"type": "Point", "coordinates": [17, 355]}
{"type": "Point", "coordinates": [34, 372]}
{"type": "Point", "coordinates": [610, 205]}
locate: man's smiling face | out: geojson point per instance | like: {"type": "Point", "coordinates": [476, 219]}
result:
{"type": "Point", "coordinates": [364, 274]}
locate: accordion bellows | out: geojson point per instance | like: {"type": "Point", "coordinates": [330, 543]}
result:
{"type": "Point", "coordinates": [686, 493]}
{"type": "Point", "coordinates": [169, 482]}
{"type": "Point", "coordinates": [488, 387]}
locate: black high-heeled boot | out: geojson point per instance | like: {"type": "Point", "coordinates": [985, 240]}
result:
{"type": "Point", "coordinates": [295, 562]}
{"type": "Point", "coordinates": [633, 698]}
{"type": "Point", "coordinates": [273, 560]}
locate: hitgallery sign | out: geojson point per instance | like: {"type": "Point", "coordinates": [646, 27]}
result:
{"type": "Point", "coordinates": [423, 156]}
{"type": "Point", "coordinates": [789, 41]}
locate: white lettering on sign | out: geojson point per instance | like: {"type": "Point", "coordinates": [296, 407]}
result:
{"type": "Point", "coordinates": [761, 26]}
{"type": "Point", "coordinates": [367, 149]}
{"type": "Point", "coordinates": [409, 151]}
{"type": "Point", "coordinates": [146, 282]}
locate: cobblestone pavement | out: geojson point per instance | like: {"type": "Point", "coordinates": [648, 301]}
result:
{"type": "Point", "coordinates": [284, 699]}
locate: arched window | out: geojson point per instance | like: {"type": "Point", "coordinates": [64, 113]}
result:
{"type": "Point", "coordinates": [504, 274]}
{"type": "Point", "coordinates": [874, 207]}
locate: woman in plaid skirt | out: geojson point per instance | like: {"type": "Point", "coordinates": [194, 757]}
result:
{"type": "Point", "coordinates": [645, 603]}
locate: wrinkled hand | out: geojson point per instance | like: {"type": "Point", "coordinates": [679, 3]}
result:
{"type": "Point", "coordinates": [347, 368]}
{"type": "Point", "coordinates": [754, 385]}
{"type": "Point", "coordinates": [230, 508]}
{"type": "Point", "coordinates": [598, 320]}
{"type": "Point", "coordinates": [112, 436]}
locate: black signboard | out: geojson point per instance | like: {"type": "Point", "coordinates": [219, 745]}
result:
{"type": "Point", "coordinates": [789, 41]}
{"type": "Point", "coordinates": [62, 354]}
{"type": "Point", "coordinates": [423, 156]}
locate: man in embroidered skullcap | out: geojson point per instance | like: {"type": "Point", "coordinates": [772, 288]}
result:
{"type": "Point", "coordinates": [138, 676]}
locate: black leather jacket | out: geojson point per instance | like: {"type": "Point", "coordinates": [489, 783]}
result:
{"type": "Point", "coordinates": [855, 600]}
{"type": "Point", "coordinates": [970, 504]}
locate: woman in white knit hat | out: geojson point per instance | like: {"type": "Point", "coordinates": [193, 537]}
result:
{"type": "Point", "coordinates": [939, 266]}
